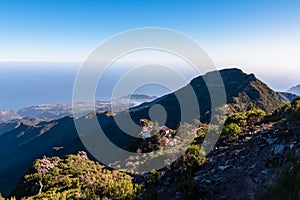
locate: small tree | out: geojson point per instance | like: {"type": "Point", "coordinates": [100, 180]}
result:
{"type": "Point", "coordinates": [255, 116]}
{"type": "Point", "coordinates": [238, 118]}
{"type": "Point", "coordinates": [153, 177]}
{"type": "Point", "coordinates": [192, 159]}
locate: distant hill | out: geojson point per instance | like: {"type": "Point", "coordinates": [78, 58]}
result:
{"type": "Point", "coordinates": [7, 115]}
{"type": "Point", "coordinates": [49, 112]}
{"type": "Point", "coordinates": [22, 145]}
{"type": "Point", "coordinates": [15, 123]}
{"type": "Point", "coordinates": [295, 90]}
{"type": "Point", "coordinates": [285, 97]}
{"type": "Point", "coordinates": [56, 111]}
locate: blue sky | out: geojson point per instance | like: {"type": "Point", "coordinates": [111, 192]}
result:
{"type": "Point", "coordinates": [258, 36]}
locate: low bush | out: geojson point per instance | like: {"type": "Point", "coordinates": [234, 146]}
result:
{"type": "Point", "coordinates": [191, 160]}
{"type": "Point", "coordinates": [231, 132]}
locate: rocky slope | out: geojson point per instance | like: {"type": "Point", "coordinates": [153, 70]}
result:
{"type": "Point", "coordinates": [242, 169]}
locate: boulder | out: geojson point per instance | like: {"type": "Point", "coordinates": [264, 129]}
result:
{"type": "Point", "coordinates": [297, 153]}
{"type": "Point", "coordinates": [278, 149]}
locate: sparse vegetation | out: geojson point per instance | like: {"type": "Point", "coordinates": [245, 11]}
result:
{"type": "Point", "coordinates": [239, 122]}
{"type": "Point", "coordinates": [287, 185]}
{"type": "Point", "coordinates": [289, 111]}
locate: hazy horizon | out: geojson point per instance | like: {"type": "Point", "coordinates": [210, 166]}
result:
{"type": "Point", "coordinates": [28, 83]}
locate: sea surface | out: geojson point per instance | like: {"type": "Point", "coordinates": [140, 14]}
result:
{"type": "Point", "coordinates": [23, 84]}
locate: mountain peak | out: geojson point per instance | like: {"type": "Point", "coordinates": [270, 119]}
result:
{"type": "Point", "coordinates": [242, 90]}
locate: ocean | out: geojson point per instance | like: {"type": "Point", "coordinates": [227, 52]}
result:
{"type": "Point", "coordinates": [25, 83]}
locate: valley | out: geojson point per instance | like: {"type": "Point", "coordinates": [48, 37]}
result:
{"type": "Point", "coordinates": [247, 161]}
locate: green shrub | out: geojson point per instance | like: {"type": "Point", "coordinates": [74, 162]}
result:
{"type": "Point", "coordinates": [254, 116]}
{"type": "Point", "coordinates": [247, 118]}
{"type": "Point", "coordinates": [145, 122]}
{"type": "Point", "coordinates": [238, 118]}
{"type": "Point", "coordinates": [231, 132]}
{"type": "Point", "coordinates": [191, 160]}
{"type": "Point", "coordinates": [153, 177]}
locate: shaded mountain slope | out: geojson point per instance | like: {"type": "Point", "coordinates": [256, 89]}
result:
{"type": "Point", "coordinates": [20, 147]}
